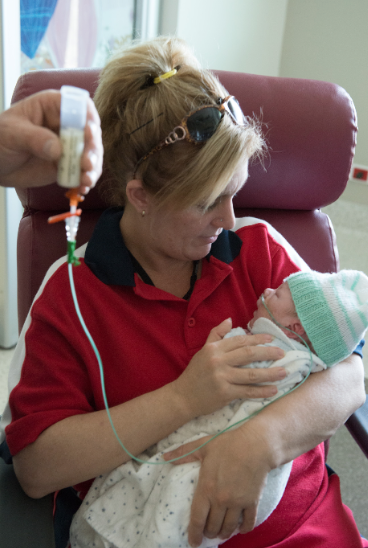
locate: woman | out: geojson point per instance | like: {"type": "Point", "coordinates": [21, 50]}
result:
{"type": "Point", "coordinates": [159, 281]}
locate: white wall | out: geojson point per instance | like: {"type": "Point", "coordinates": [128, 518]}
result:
{"type": "Point", "coordinates": [239, 35]}
{"type": "Point", "coordinates": [318, 39]}
{"type": "Point", "coordinates": [328, 40]}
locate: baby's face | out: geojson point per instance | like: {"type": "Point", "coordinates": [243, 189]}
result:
{"type": "Point", "coordinates": [279, 303]}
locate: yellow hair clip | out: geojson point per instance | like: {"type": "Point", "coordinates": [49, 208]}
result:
{"type": "Point", "coordinates": [159, 79]}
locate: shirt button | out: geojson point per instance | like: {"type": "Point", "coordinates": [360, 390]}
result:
{"type": "Point", "coordinates": [191, 322]}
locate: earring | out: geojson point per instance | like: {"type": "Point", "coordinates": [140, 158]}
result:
{"type": "Point", "coordinates": [143, 213]}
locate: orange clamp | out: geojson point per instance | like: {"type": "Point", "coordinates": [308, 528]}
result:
{"type": "Point", "coordinates": [74, 198]}
{"type": "Point", "coordinates": [63, 216]}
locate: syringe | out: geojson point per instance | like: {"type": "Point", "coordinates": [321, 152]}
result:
{"type": "Point", "coordinates": [73, 116]}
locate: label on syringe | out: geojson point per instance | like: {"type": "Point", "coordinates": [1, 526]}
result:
{"type": "Point", "coordinates": [69, 168]}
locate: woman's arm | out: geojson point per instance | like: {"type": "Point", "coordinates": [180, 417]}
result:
{"type": "Point", "coordinates": [315, 411]}
{"type": "Point", "coordinates": [81, 447]}
{"type": "Point", "coordinates": [235, 465]}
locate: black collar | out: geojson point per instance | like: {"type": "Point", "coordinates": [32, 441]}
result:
{"type": "Point", "coordinates": [109, 259]}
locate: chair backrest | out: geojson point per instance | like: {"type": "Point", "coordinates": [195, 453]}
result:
{"type": "Point", "coordinates": [311, 131]}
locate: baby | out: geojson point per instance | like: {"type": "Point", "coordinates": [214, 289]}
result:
{"type": "Point", "coordinates": [148, 505]}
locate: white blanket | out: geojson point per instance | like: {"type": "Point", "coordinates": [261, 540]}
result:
{"type": "Point", "coordinates": [147, 505]}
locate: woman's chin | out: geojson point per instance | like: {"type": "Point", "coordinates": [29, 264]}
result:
{"type": "Point", "coordinates": [200, 252]}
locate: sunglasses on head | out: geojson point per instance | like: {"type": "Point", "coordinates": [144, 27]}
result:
{"type": "Point", "coordinates": [199, 125]}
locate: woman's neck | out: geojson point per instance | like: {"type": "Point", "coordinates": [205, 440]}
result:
{"type": "Point", "coordinates": [166, 273]}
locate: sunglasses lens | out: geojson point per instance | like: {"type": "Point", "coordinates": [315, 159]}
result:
{"type": "Point", "coordinates": [203, 123]}
{"type": "Point", "coordinates": [236, 111]}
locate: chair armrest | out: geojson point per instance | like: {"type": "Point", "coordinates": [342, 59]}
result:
{"type": "Point", "coordinates": [23, 521]}
{"type": "Point", "coordinates": [357, 425]}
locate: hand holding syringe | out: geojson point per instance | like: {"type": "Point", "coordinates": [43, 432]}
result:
{"type": "Point", "coordinates": [73, 115]}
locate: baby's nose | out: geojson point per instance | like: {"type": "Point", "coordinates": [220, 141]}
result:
{"type": "Point", "coordinates": [267, 292]}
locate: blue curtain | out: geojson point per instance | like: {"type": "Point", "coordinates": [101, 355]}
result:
{"type": "Point", "coordinates": [34, 19]}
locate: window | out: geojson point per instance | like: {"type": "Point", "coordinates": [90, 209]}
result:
{"type": "Point", "coordinates": [55, 34]}
{"type": "Point", "coordinates": [81, 33]}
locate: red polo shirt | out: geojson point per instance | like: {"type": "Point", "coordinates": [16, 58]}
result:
{"type": "Point", "coordinates": [146, 337]}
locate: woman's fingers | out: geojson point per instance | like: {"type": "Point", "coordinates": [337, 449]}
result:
{"type": "Point", "coordinates": [198, 517]}
{"type": "Point", "coordinates": [248, 519]}
{"type": "Point", "coordinates": [231, 522]}
{"type": "Point", "coordinates": [231, 479]}
{"type": "Point", "coordinates": [256, 375]}
{"type": "Point", "coordinates": [255, 382]}
{"type": "Point", "coordinates": [251, 348]}
{"type": "Point", "coordinates": [220, 514]}
{"type": "Point", "coordinates": [213, 521]}
{"type": "Point", "coordinates": [222, 522]}
{"type": "Point", "coordinates": [218, 333]}
{"type": "Point", "coordinates": [213, 378]}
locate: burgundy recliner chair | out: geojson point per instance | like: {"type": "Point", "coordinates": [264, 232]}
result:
{"type": "Point", "coordinates": [311, 129]}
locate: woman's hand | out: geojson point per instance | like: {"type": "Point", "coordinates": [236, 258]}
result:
{"type": "Point", "coordinates": [232, 476]}
{"type": "Point", "coordinates": [213, 377]}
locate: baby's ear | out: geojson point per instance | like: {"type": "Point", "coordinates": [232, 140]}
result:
{"type": "Point", "coordinates": [297, 327]}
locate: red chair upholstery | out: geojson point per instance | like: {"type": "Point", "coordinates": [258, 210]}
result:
{"type": "Point", "coordinates": [311, 130]}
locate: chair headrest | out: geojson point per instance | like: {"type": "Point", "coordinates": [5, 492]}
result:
{"type": "Point", "coordinates": [310, 127]}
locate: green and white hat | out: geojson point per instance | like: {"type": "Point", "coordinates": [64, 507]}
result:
{"type": "Point", "coordinates": [333, 309]}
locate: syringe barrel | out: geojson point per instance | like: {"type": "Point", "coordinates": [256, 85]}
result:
{"type": "Point", "coordinates": [73, 116]}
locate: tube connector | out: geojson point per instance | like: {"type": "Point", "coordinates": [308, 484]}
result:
{"type": "Point", "coordinates": [71, 219]}
{"type": "Point", "coordinates": [72, 259]}
{"type": "Point", "coordinates": [71, 227]}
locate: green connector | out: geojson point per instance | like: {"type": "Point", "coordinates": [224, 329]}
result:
{"type": "Point", "coordinates": [72, 259]}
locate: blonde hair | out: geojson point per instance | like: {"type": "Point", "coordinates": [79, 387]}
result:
{"type": "Point", "coordinates": [136, 115]}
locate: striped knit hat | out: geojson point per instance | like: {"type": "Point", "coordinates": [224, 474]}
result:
{"type": "Point", "coordinates": [333, 309]}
